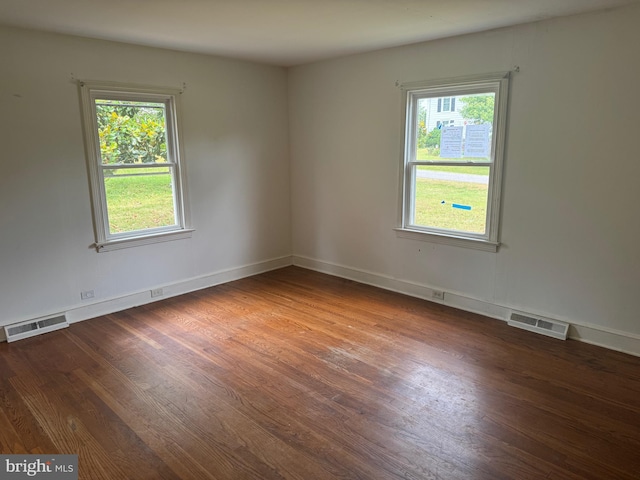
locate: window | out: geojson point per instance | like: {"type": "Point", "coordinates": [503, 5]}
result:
{"type": "Point", "coordinates": [447, 104]}
{"type": "Point", "coordinates": [135, 168]}
{"type": "Point", "coordinates": [445, 123]}
{"type": "Point", "coordinates": [451, 172]}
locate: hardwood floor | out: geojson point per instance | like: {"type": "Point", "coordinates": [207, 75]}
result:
{"type": "Point", "coordinates": [297, 375]}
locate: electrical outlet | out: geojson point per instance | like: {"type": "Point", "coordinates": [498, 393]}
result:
{"type": "Point", "coordinates": [156, 292]}
{"type": "Point", "coordinates": [86, 294]}
{"type": "Point", "coordinates": [437, 294]}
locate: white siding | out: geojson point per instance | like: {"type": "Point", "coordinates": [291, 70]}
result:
{"type": "Point", "coordinates": [433, 116]}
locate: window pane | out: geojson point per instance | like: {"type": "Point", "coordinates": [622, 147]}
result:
{"type": "Point", "coordinates": [139, 198]}
{"type": "Point", "coordinates": [447, 134]}
{"type": "Point", "coordinates": [451, 197]}
{"type": "Point", "coordinates": [131, 132]}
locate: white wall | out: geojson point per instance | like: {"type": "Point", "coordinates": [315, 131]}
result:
{"type": "Point", "coordinates": [235, 134]}
{"type": "Point", "coordinates": [570, 221]}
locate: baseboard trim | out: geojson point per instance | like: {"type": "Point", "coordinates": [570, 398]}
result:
{"type": "Point", "coordinates": [608, 338]}
{"type": "Point", "coordinates": [624, 342]}
{"type": "Point", "coordinates": [113, 305]}
{"type": "Point", "coordinates": [78, 313]}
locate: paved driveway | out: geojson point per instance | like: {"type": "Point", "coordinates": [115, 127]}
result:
{"type": "Point", "coordinates": [457, 177]}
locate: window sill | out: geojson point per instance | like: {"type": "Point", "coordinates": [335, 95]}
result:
{"type": "Point", "coordinates": [476, 244]}
{"type": "Point", "coordinates": [121, 243]}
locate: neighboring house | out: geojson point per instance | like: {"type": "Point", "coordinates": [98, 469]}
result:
{"type": "Point", "coordinates": [442, 112]}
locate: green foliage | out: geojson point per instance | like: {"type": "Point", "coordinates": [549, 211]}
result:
{"type": "Point", "coordinates": [433, 138]}
{"type": "Point", "coordinates": [131, 133]}
{"type": "Point", "coordinates": [421, 137]}
{"type": "Point", "coordinates": [424, 139]}
{"type": "Point", "coordinates": [421, 134]}
{"type": "Point", "coordinates": [478, 108]}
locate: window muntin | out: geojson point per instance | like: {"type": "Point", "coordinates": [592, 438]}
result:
{"type": "Point", "coordinates": [134, 164]}
{"type": "Point", "coordinates": [452, 166]}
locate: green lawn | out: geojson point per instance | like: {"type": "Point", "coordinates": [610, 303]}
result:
{"type": "Point", "coordinates": [431, 212]}
{"type": "Point", "coordinates": [139, 202]}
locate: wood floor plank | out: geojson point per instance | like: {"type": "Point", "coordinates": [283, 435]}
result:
{"type": "Point", "coordinates": [297, 375]}
{"type": "Point", "coordinates": [283, 394]}
{"type": "Point", "coordinates": [23, 434]}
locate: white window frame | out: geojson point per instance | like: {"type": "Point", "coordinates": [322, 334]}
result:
{"type": "Point", "coordinates": [170, 97]}
{"type": "Point", "coordinates": [497, 83]}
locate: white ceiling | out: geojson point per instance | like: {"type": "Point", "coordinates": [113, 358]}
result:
{"type": "Point", "coordinates": [282, 32]}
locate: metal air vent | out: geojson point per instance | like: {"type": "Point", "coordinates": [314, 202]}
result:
{"type": "Point", "coordinates": [31, 328]}
{"type": "Point", "coordinates": [534, 323]}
